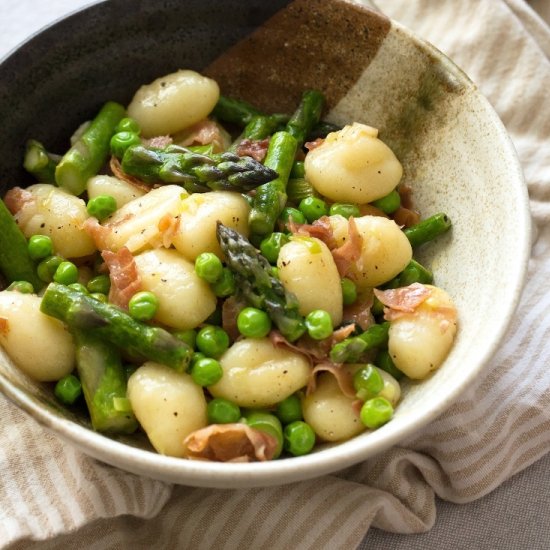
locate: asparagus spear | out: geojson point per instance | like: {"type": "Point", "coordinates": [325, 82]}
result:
{"type": "Point", "coordinates": [15, 262]}
{"type": "Point", "coordinates": [322, 129]}
{"type": "Point", "coordinates": [414, 272]}
{"type": "Point", "coordinates": [39, 162]}
{"type": "Point", "coordinates": [351, 349]}
{"type": "Point", "coordinates": [234, 111]}
{"type": "Point", "coordinates": [270, 198]}
{"type": "Point", "coordinates": [257, 286]}
{"type": "Point", "coordinates": [427, 229]}
{"type": "Point", "coordinates": [90, 151]}
{"type": "Point", "coordinates": [306, 116]}
{"type": "Point", "coordinates": [82, 312]}
{"type": "Point", "coordinates": [194, 171]}
{"type": "Point", "coordinates": [104, 384]}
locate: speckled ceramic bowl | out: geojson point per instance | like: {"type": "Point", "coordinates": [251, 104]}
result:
{"type": "Point", "coordinates": [455, 151]}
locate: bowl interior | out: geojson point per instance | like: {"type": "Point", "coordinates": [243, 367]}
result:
{"type": "Point", "coordinates": [455, 151]}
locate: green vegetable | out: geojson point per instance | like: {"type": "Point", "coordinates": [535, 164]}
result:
{"type": "Point", "coordinates": [270, 198]}
{"type": "Point", "coordinates": [101, 207]}
{"type": "Point", "coordinates": [40, 247]}
{"type": "Point", "coordinates": [68, 389]}
{"type": "Point", "coordinates": [414, 272]}
{"type": "Point", "coordinates": [319, 324]}
{"type": "Point", "coordinates": [322, 129]}
{"type": "Point", "coordinates": [47, 267]}
{"type": "Point", "coordinates": [222, 411]}
{"type": "Point", "coordinates": [349, 291]}
{"type": "Point", "coordinates": [82, 312]}
{"type": "Point", "coordinates": [385, 362]}
{"type": "Point", "coordinates": [306, 116]}
{"type": "Point", "coordinates": [299, 438]}
{"type": "Point", "coordinates": [253, 322]}
{"type": "Point", "coordinates": [256, 284]}
{"type": "Point", "coordinates": [99, 296]}
{"type": "Point", "coordinates": [188, 336]}
{"type": "Point", "coordinates": [290, 409]}
{"type": "Point", "coordinates": [225, 285]}
{"type": "Point", "coordinates": [99, 283]}
{"type": "Point", "coordinates": [376, 412]}
{"type": "Point", "coordinates": [15, 261]}
{"type": "Point", "coordinates": [368, 382]}
{"type": "Point", "coordinates": [290, 213]}
{"type": "Point", "coordinates": [345, 210]}
{"type": "Point", "coordinates": [272, 244]}
{"type": "Point", "coordinates": [208, 267]}
{"type": "Point", "coordinates": [212, 341]}
{"type": "Point", "coordinates": [206, 371]}
{"type": "Point", "coordinates": [128, 124]}
{"type": "Point", "coordinates": [84, 159]}
{"type": "Point", "coordinates": [196, 172]}
{"type": "Point", "coordinates": [66, 273]}
{"type": "Point", "coordinates": [39, 162]}
{"type": "Point", "coordinates": [79, 287]}
{"type": "Point", "coordinates": [390, 203]}
{"type": "Point", "coordinates": [313, 208]}
{"type": "Point", "coordinates": [428, 229]}
{"type": "Point", "coordinates": [351, 349]}
{"type": "Point", "coordinates": [24, 287]}
{"type": "Point", "coordinates": [298, 189]}
{"type": "Point", "coordinates": [143, 305]}
{"type": "Point", "coordinates": [235, 111]}
{"type": "Point", "coordinates": [268, 423]}
{"type": "Point", "coordinates": [298, 169]}
{"type": "Point", "coordinates": [260, 127]}
{"type": "Point", "coordinates": [103, 381]}
{"type": "Point", "coordinates": [121, 141]}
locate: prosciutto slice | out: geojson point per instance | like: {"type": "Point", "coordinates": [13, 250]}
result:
{"type": "Point", "coordinates": [125, 279]}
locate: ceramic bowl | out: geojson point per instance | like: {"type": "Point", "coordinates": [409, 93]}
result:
{"type": "Point", "coordinates": [456, 156]}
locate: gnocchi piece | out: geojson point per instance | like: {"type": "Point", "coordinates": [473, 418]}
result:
{"type": "Point", "coordinates": [329, 412]}
{"type": "Point", "coordinates": [173, 102]}
{"type": "Point", "coordinates": [353, 165]}
{"type": "Point", "coordinates": [385, 250]}
{"type": "Point", "coordinates": [39, 345]}
{"type": "Point", "coordinates": [185, 300]}
{"type": "Point", "coordinates": [168, 405]}
{"type": "Point", "coordinates": [137, 225]}
{"type": "Point", "coordinates": [58, 214]}
{"type": "Point", "coordinates": [122, 191]}
{"type": "Point", "coordinates": [256, 373]}
{"type": "Point", "coordinates": [196, 232]}
{"type": "Point", "coordinates": [307, 269]}
{"type": "Point", "coordinates": [420, 341]}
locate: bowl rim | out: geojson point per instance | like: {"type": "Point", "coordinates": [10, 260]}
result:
{"type": "Point", "coordinates": [334, 457]}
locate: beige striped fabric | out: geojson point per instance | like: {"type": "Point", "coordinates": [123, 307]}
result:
{"type": "Point", "coordinates": [52, 496]}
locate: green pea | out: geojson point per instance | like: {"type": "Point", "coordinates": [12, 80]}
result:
{"type": "Point", "coordinates": [212, 341]}
{"type": "Point", "coordinates": [225, 285]}
{"type": "Point", "coordinates": [368, 382]}
{"type": "Point", "coordinates": [289, 213]}
{"type": "Point", "coordinates": [376, 412]}
{"type": "Point", "coordinates": [40, 247]}
{"type": "Point", "coordinates": [68, 389]}
{"type": "Point", "coordinates": [188, 336]}
{"type": "Point", "coordinates": [319, 324]}
{"type": "Point", "coordinates": [121, 141]}
{"type": "Point", "coordinates": [23, 287]}
{"type": "Point", "coordinates": [253, 322]}
{"type": "Point", "coordinates": [222, 411]}
{"type": "Point", "coordinates": [275, 271]}
{"type": "Point", "coordinates": [143, 305]}
{"type": "Point", "coordinates": [99, 283]}
{"type": "Point", "coordinates": [290, 409]}
{"type": "Point", "coordinates": [349, 291]}
{"type": "Point", "coordinates": [299, 438]}
{"type": "Point", "coordinates": [389, 203]}
{"type": "Point", "coordinates": [298, 169]}
{"type": "Point", "coordinates": [101, 207]}
{"type": "Point", "coordinates": [269, 423]}
{"type": "Point", "coordinates": [66, 273]}
{"type": "Point", "coordinates": [343, 209]}
{"type": "Point", "coordinates": [47, 267]}
{"type": "Point", "coordinates": [385, 362]}
{"type": "Point", "coordinates": [128, 124]}
{"type": "Point", "coordinates": [206, 371]}
{"type": "Point", "coordinates": [271, 246]}
{"type": "Point", "coordinates": [313, 208]}
{"type": "Point", "coordinates": [208, 267]}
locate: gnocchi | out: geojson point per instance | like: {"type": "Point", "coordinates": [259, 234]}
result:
{"type": "Point", "coordinates": [122, 191]}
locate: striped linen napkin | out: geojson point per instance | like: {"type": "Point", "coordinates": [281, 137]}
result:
{"type": "Point", "coordinates": [52, 496]}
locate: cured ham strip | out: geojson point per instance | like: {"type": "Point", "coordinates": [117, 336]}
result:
{"type": "Point", "coordinates": [159, 142]}
{"type": "Point", "coordinates": [125, 279]}
{"type": "Point", "coordinates": [347, 254]}
{"type": "Point", "coordinates": [255, 148]}
{"type": "Point", "coordinates": [230, 443]}
{"type": "Point", "coordinates": [360, 312]}
{"type": "Point", "coordinates": [343, 378]}
{"type": "Point", "coordinates": [168, 227]}
{"type": "Point", "coordinates": [231, 308]}
{"type": "Point", "coordinates": [310, 145]}
{"type": "Point", "coordinates": [116, 169]}
{"type": "Point", "coordinates": [320, 229]}
{"type": "Point", "coordinates": [402, 300]}
{"type": "Point", "coordinates": [16, 198]}
{"type": "Point", "coordinates": [204, 132]}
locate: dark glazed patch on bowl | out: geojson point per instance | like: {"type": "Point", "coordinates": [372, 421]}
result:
{"type": "Point", "coordinates": [310, 44]}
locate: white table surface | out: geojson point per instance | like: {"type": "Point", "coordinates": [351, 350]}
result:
{"type": "Point", "coordinates": [515, 516]}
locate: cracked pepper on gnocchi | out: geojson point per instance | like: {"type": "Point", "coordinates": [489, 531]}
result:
{"type": "Point", "coordinates": [239, 285]}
